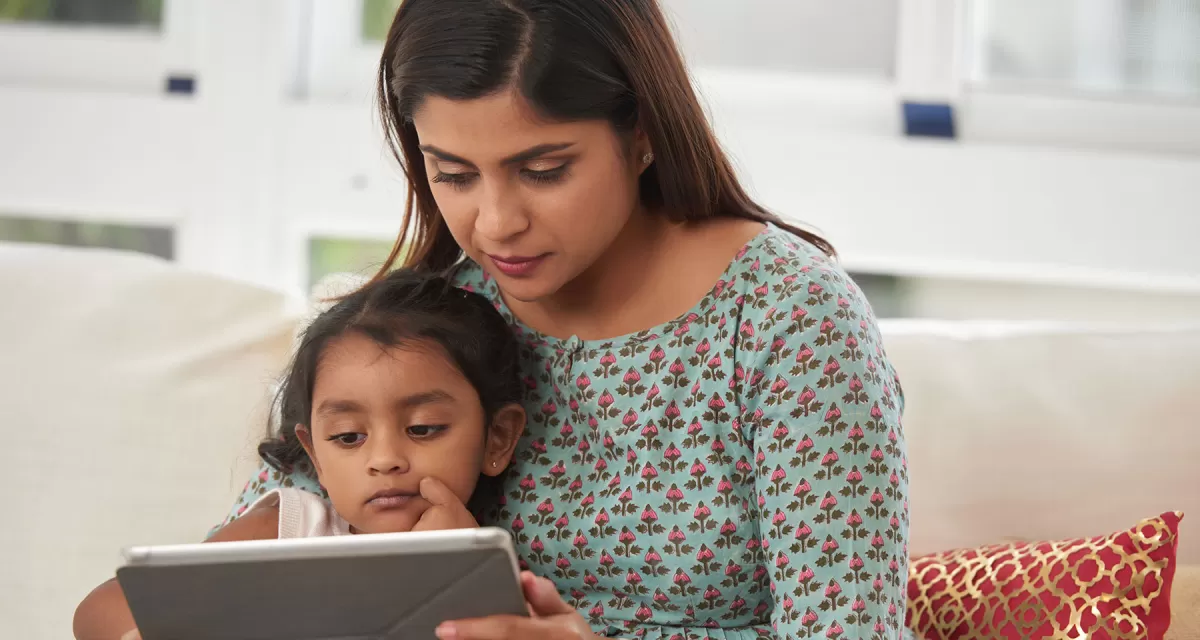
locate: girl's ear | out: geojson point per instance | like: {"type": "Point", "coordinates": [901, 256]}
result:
{"type": "Point", "coordinates": [507, 426]}
{"type": "Point", "coordinates": [305, 438]}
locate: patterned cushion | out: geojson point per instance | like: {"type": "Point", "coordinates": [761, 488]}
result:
{"type": "Point", "coordinates": [1116, 586]}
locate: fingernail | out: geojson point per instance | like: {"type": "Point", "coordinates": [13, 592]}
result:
{"type": "Point", "coordinates": [446, 631]}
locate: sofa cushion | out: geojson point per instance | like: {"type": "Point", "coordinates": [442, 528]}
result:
{"type": "Point", "coordinates": [132, 392]}
{"type": "Point", "coordinates": [1111, 587]}
{"type": "Point", "coordinates": [1185, 604]}
{"type": "Point", "coordinates": [1038, 431]}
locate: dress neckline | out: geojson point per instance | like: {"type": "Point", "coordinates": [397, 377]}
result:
{"type": "Point", "coordinates": [574, 343]}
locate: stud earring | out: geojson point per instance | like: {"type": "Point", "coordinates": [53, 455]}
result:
{"type": "Point", "coordinates": [495, 464]}
{"type": "Point", "coordinates": [648, 158]}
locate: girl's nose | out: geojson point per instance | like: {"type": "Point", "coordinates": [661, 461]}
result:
{"type": "Point", "coordinates": [387, 455]}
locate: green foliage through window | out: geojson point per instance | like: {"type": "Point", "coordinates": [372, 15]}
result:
{"type": "Point", "coordinates": [376, 18]}
{"type": "Point", "coordinates": [328, 255]}
{"type": "Point", "coordinates": [155, 241]}
{"type": "Point", "coordinates": [113, 13]}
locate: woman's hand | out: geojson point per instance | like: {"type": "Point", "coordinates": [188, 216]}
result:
{"type": "Point", "coordinates": [445, 510]}
{"type": "Point", "coordinates": [550, 619]}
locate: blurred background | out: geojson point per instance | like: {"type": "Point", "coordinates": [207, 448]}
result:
{"type": "Point", "coordinates": [1014, 183]}
{"type": "Point", "coordinates": [237, 138]}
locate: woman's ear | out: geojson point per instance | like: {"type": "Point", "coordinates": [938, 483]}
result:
{"type": "Point", "coordinates": [507, 426]}
{"type": "Point", "coordinates": [305, 438]}
{"type": "Point", "coordinates": [643, 151]}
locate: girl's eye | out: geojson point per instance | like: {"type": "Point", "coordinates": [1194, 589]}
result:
{"type": "Point", "coordinates": [348, 439]}
{"type": "Point", "coordinates": [425, 430]}
{"type": "Point", "coordinates": [453, 180]}
{"type": "Point", "coordinates": [545, 176]}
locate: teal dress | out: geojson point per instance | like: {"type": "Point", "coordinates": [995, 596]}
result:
{"type": "Point", "coordinates": [738, 472]}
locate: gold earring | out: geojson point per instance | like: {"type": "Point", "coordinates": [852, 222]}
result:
{"type": "Point", "coordinates": [648, 158]}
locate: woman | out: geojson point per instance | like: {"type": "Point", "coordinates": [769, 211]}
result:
{"type": "Point", "coordinates": [714, 446]}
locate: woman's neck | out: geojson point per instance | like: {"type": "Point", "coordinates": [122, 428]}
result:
{"type": "Point", "coordinates": [611, 297]}
{"type": "Point", "coordinates": [655, 271]}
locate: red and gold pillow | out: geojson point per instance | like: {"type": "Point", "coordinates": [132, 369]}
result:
{"type": "Point", "coordinates": [1110, 587]}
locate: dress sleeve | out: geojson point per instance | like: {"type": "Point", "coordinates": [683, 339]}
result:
{"type": "Point", "coordinates": [822, 406]}
{"type": "Point", "coordinates": [267, 479]}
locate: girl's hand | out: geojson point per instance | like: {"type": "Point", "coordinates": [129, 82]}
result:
{"type": "Point", "coordinates": [445, 510]}
{"type": "Point", "coordinates": [132, 634]}
{"type": "Point", "coordinates": [551, 619]}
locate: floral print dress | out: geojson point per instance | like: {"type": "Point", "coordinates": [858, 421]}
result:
{"type": "Point", "coordinates": [738, 472]}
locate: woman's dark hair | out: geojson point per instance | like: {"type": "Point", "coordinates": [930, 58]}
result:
{"type": "Point", "coordinates": [401, 309]}
{"type": "Point", "coordinates": [572, 60]}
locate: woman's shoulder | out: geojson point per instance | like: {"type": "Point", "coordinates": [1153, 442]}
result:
{"type": "Point", "coordinates": [803, 314]}
{"type": "Point", "coordinates": [778, 268]}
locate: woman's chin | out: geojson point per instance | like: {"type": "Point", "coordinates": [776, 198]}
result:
{"type": "Point", "coordinates": [526, 291]}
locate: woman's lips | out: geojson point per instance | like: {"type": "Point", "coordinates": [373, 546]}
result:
{"type": "Point", "coordinates": [517, 266]}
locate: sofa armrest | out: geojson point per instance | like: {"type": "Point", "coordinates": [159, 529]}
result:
{"type": "Point", "coordinates": [1185, 604]}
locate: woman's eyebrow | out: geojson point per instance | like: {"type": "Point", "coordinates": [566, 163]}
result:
{"type": "Point", "coordinates": [516, 158]}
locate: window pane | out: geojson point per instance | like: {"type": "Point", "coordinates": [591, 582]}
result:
{"type": "Point", "coordinates": [328, 255]}
{"type": "Point", "coordinates": [155, 241]}
{"type": "Point", "coordinates": [124, 13]}
{"type": "Point", "coordinates": [846, 36]}
{"type": "Point", "coordinates": [888, 295]}
{"type": "Point", "coordinates": [377, 18]}
{"type": "Point", "coordinates": [1107, 46]}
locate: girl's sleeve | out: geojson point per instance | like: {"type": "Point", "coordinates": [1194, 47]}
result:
{"type": "Point", "coordinates": [822, 405]}
{"type": "Point", "coordinates": [267, 479]}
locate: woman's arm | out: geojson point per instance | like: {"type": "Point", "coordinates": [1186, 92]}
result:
{"type": "Point", "coordinates": [104, 613]}
{"type": "Point", "coordinates": [831, 473]}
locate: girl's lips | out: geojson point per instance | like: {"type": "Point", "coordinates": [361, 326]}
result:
{"type": "Point", "coordinates": [391, 499]}
{"type": "Point", "coordinates": [517, 266]}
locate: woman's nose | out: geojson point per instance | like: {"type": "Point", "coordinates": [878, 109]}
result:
{"type": "Point", "coordinates": [501, 215]}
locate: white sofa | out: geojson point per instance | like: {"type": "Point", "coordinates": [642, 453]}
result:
{"type": "Point", "coordinates": [132, 392]}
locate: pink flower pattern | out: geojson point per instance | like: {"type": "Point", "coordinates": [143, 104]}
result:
{"type": "Point", "coordinates": [739, 472]}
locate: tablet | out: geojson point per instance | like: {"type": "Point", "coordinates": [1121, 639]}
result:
{"type": "Point", "coordinates": [359, 587]}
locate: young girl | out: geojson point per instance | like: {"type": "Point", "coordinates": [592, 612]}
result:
{"type": "Point", "coordinates": [404, 398]}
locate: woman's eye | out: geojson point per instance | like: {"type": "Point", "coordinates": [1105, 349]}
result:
{"type": "Point", "coordinates": [348, 439]}
{"type": "Point", "coordinates": [545, 176]}
{"type": "Point", "coordinates": [425, 430]}
{"type": "Point", "coordinates": [453, 180]}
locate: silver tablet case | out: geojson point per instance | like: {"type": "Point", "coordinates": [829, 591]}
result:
{"type": "Point", "coordinates": [346, 588]}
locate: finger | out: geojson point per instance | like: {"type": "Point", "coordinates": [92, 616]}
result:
{"type": "Point", "coordinates": [505, 628]}
{"type": "Point", "coordinates": [438, 494]}
{"type": "Point", "coordinates": [543, 598]}
{"type": "Point", "coordinates": [132, 634]}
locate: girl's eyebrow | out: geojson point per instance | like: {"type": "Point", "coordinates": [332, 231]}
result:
{"type": "Point", "coordinates": [433, 396]}
{"type": "Point", "coordinates": [336, 407]}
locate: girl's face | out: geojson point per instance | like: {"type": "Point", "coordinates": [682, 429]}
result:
{"type": "Point", "coordinates": [535, 203]}
{"type": "Point", "coordinates": [384, 418]}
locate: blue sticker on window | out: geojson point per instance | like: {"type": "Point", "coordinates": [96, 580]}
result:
{"type": "Point", "coordinates": [929, 120]}
{"type": "Point", "coordinates": [184, 85]}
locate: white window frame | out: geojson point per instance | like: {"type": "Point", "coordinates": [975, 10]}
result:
{"type": "Point", "coordinates": [340, 66]}
{"type": "Point", "coordinates": [299, 231]}
{"type": "Point", "coordinates": [933, 66]}
{"type": "Point", "coordinates": [115, 58]}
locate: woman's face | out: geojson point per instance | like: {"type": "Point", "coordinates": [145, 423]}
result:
{"type": "Point", "coordinates": [535, 203]}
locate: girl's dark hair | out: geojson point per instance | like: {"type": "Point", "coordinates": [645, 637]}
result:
{"type": "Point", "coordinates": [572, 60]}
{"type": "Point", "coordinates": [398, 310]}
